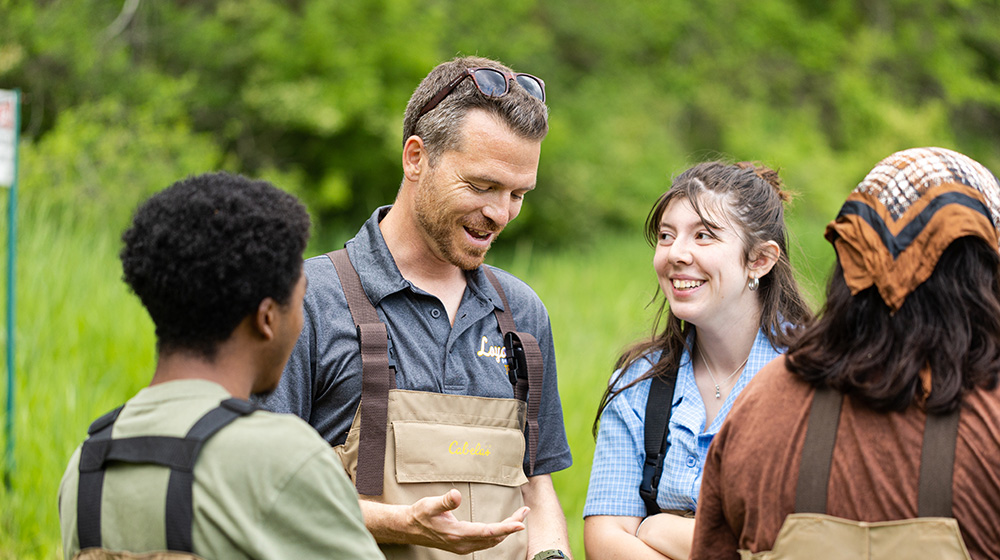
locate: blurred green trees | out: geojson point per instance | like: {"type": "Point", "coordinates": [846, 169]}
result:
{"type": "Point", "coordinates": [121, 98]}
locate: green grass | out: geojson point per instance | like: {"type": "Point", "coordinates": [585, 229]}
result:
{"type": "Point", "coordinates": [84, 345]}
{"type": "Point", "coordinates": [597, 301]}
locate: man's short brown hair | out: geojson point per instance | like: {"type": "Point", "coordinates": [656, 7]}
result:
{"type": "Point", "coordinates": [526, 115]}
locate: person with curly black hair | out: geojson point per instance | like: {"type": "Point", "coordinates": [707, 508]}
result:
{"type": "Point", "coordinates": [216, 259]}
{"type": "Point", "coordinates": [202, 254]}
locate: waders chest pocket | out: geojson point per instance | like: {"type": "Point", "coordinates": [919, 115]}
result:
{"type": "Point", "coordinates": [436, 452]}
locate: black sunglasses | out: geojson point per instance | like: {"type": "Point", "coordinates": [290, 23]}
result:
{"type": "Point", "coordinates": [491, 83]}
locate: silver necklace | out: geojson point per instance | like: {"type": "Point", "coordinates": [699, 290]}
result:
{"type": "Point", "coordinates": [718, 388]}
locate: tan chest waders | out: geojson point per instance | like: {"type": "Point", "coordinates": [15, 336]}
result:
{"type": "Point", "coordinates": [810, 534]}
{"type": "Point", "coordinates": [408, 445]}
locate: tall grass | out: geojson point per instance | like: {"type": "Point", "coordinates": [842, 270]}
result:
{"type": "Point", "coordinates": [85, 345]}
{"type": "Point", "coordinates": [597, 301]}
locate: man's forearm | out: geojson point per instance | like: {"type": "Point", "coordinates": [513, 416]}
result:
{"type": "Point", "coordinates": [386, 522]}
{"type": "Point", "coordinates": [546, 522]}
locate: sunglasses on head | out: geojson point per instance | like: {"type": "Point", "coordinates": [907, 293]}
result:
{"type": "Point", "coordinates": [491, 83]}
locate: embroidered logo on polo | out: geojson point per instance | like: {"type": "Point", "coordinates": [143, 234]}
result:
{"type": "Point", "coordinates": [498, 353]}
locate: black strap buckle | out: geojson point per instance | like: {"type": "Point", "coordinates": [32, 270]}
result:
{"type": "Point", "coordinates": [517, 362]}
{"type": "Point", "coordinates": [650, 469]}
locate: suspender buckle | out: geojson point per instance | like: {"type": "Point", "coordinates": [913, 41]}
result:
{"type": "Point", "coordinates": [389, 354]}
{"type": "Point", "coordinates": [517, 362]}
{"type": "Point", "coordinates": [650, 480]}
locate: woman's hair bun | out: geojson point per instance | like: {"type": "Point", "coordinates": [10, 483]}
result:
{"type": "Point", "coordinates": [770, 176]}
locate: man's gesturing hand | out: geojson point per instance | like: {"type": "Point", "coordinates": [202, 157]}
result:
{"type": "Point", "coordinates": [433, 524]}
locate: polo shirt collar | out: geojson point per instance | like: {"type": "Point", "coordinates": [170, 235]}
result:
{"type": "Point", "coordinates": [482, 287]}
{"type": "Point", "coordinates": [379, 274]}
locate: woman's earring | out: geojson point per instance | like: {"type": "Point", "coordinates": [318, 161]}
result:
{"type": "Point", "coordinates": [753, 283]}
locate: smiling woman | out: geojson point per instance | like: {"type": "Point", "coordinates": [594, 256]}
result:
{"type": "Point", "coordinates": [700, 265]}
{"type": "Point", "coordinates": [730, 305]}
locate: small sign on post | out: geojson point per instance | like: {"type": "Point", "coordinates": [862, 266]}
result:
{"type": "Point", "coordinates": [10, 125]}
{"type": "Point", "coordinates": [8, 137]}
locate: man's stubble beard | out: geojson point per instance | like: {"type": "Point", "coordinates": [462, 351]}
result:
{"type": "Point", "coordinates": [443, 232]}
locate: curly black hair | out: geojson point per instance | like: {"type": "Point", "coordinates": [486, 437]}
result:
{"type": "Point", "coordinates": [204, 252]}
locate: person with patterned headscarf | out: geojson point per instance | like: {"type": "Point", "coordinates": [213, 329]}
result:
{"type": "Point", "coordinates": [878, 433]}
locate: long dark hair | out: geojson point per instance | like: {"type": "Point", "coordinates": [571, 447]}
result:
{"type": "Point", "coordinates": [753, 197]}
{"type": "Point", "coordinates": [950, 323]}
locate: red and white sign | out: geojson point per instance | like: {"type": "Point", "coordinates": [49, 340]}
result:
{"type": "Point", "coordinates": [8, 136]}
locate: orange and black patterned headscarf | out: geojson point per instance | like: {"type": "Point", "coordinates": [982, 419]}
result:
{"type": "Point", "coordinates": [894, 226]}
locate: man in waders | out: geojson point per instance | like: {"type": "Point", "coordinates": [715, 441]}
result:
{"type": "Point", "coordinates": [188, 465]}
{"type": "Point", "coordinates": [432, 373]}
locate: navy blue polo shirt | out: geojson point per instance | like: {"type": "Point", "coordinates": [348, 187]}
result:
{"type": "Point", "coordinates": [322, 380]}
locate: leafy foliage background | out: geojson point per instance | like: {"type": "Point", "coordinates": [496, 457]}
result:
{"type": "Point", "coordinates": [120, 99]}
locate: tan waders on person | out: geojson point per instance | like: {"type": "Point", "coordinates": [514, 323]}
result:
{"type": "Point", "coordinates": [408, 445]}
{"type": "Point", "coordinates": [101, 554]}
{"type": "Point", "coordinates": [810, 533]}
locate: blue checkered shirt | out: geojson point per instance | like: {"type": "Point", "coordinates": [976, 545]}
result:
{"type": "Point", "coordinates": [620, 452]}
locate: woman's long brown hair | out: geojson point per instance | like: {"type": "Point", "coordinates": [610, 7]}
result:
{"type": "Point", "coordinates": [752, 196]}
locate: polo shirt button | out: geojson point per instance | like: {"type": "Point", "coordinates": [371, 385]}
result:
{"type": "Point", "coordinates": [435, 313]}
{"type": "Point", "coordinates": [692, 461]}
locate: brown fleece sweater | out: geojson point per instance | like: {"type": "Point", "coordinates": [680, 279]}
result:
{"type": "Point", "coordinates": [752, 467]}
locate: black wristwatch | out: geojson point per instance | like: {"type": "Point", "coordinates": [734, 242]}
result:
{"type": "Point", "coordinates": [549, 555]}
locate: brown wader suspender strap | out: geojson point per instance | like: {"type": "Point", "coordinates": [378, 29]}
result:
{"type": "Point", "coordinates": [524, 360]}
{"type": "Point", "coordinates": [937, 458]}
{"type": "Point", "coordinates": [937, 464]}
{"type": "Point", "coordinates": [377, 378]}
{"type": "Point", "coordinates": [817, 452]}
